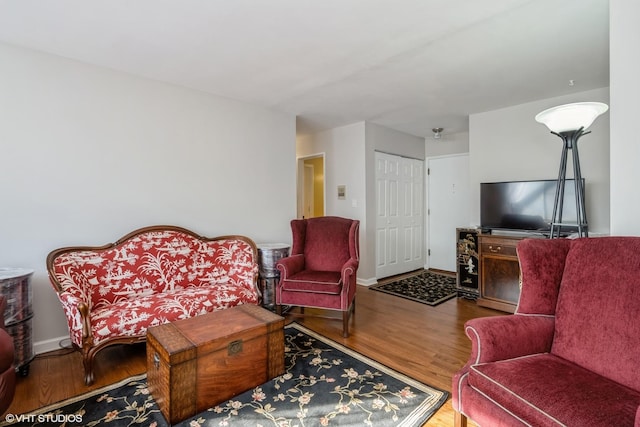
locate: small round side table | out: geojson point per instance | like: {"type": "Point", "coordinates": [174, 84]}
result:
{"type": "Point", "coordinates": [268, 275]}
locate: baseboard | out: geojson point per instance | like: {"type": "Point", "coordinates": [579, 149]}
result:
{"type": "Point", "coordinates": [367, 282]}
{"type": "Point", "coordinates": [51, 345]}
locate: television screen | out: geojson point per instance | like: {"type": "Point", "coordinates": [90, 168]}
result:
{"type": "Point", "coordinates": [525, 205]}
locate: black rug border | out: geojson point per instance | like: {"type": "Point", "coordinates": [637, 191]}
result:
{"type": "Point", "coordinates": [412, 420]}
{"type": "Point", "coordinates": [378, 287]}
{"type": "Point", "coordinates": [441, 396]}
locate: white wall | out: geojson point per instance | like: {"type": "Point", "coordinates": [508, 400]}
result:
{"type": "Point", "coordinates": [383, 139]}
{"type": "Point", "coordinates": [343, 148]}
{"type": "Point", "coordinates": [448, 144]}
{"type": "Point", "coordinates": [625, 111]}
{"type": "Point", "coordinates": [508, 144]}
{"type": "Point", "coordinates": [90, 154]}
{"type": "Point", "coordinates": [344, 164]}
{"type": "Point", "coordinates": [349, 160]}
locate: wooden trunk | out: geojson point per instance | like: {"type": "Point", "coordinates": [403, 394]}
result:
{"type": "Point", "coordinates": [197, 363]}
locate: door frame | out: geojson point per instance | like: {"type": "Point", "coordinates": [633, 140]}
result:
{"type": "Point", "coordinates": [300, 182]}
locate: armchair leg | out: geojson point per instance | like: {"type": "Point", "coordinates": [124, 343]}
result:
{"type": "Point", "coordinates": [345, 324]}
{"type": "Point", "coordinates": [459, 420]}
{"type": "Point", "coordinates": [346, 315]}
{"type": "Point", "coordinates": [278, 309]}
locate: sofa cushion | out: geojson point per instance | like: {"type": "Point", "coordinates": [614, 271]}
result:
{"type": "Point", "coordinates": [597, 311]}
{"type": "Point", "coordinates": [546, 390]}
{"type": "Point", "coordinates": [132, 317]}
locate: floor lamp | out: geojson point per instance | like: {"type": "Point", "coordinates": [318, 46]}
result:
{"type": "Point", "coordinates": [570, 122]}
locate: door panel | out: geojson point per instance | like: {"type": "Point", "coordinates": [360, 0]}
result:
{"type": "Point", "coordinates": [400, 218]}
{"type": "Point", "coordinates": [448, 203]}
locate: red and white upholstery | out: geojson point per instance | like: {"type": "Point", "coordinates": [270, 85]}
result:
{"type": "Point", "coordinates": [112, 294]}
{"type": "Point", "coordinates": [569, 355]}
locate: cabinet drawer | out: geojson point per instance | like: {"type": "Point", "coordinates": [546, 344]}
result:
{"type": "Point", "coordinates": [498, 249]}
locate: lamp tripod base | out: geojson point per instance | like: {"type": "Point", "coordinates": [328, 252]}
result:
{"type": "Point", "coordinates": [570, 142]}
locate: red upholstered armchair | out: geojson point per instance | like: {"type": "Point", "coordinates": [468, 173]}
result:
{"type": "Point", "coordinates": [7, 370]}
{"type": "Point", "coordinates": [321, 271]}
{"type": "Point", "coordinates": [569, 355]}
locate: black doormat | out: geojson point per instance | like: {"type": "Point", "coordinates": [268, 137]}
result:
{"type": "Point", "coordinates": [425, 287]}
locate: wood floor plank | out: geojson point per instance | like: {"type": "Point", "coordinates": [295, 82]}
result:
{"type": "Point", "coordinates": [426, 343]}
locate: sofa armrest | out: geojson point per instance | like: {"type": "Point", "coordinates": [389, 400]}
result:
{"type": "Point", "coordinates": [290, 265]}
{"type": "Point", "coordinates": [506, 337]}
{"type": "Point", "coordinates": [77, 312]}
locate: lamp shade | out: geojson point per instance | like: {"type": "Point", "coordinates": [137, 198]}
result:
{"type": "Point", "coordinates": [571, 116]}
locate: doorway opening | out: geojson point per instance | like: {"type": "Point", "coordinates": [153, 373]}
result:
{"type": "Point", "coordinates": [311, 186]}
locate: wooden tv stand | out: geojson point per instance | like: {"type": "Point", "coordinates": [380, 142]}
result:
{"type": "Point", "coordinates": [499, 270]}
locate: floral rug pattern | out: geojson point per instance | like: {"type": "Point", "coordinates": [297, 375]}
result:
{"type": "Point", "coordinates": [325, 384]}
{"type": "Point", "coordinates": [425, 287]}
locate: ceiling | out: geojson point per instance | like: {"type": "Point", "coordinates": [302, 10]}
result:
{"type": "Point", "coordinates": [409, 65]}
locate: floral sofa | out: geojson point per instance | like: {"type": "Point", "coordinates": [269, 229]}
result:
{"type": "Point", "coordinates": [111, 294]}
{"type": "Point", "coordinates": [569, 355]}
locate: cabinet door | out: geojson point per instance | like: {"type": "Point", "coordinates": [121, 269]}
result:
{"type": "Point", "coordinates": [467, 263]}
{"type": "Point", "coordinates": [500, 279]}
{"type": "Point", "coordinates": [499, 273]}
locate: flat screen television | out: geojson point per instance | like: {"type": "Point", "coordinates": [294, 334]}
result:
{"type": "Point", "coordinates": [525, 206]}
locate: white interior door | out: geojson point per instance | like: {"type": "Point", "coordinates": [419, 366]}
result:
{"type": "Point", "coordinates": [448, 208]}
{"type": "Point", "coordinates": [399, 214]}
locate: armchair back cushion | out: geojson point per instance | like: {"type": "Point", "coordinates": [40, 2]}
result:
{"type": "Point", "coordinates": [597, 313]}
{"type": "Point", "coordinates": [326, 242]}
{"type": "Point", "coordinates": [541, 269]}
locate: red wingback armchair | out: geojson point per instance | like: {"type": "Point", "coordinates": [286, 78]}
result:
{"type": "Point", "coordinates": [569, 355]}
{"type": "Point", "coordinates": [321, 270]}
{"type": "Point", "coordinates": [7, 369]}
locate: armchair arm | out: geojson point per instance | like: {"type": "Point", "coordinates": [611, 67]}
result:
{"type": "Point", "coordinates": [348, 270]}
{"type": "Point", "coordinates": [290, 265]}
{"type": "Point", "coordinates": [500, 338]}
{"type": "Point", "coordinates": [506, 337]}
{"type": "Point", "coordinates": [348, 273]}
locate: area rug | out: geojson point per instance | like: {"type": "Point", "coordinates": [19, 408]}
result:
{"type": "Point", "coordinates": [426, 287]}
{"type": "Point", "coordinates": [325, 384]}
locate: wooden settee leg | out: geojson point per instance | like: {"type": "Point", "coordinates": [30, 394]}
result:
{"type": "Point", "coordinates": [88, 368]}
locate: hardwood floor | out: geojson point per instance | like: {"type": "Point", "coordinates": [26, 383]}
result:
{"type": "Point", "coordinates": [426, 343]}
